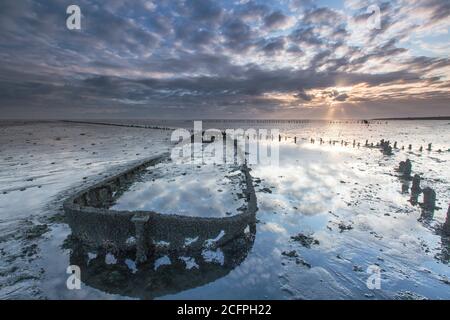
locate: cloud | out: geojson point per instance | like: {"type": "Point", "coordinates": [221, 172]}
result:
{"type": "Point", "coordinates": [341, 97]}
{"type": "Point", "coordinates": [185, 58]}
{"type": "Point", "coordinates": [237, 34]}
{"type": "Point", "coordinates": [302, 95]}
{"type": "Point", "coordinates": [203, 10]}
{"type": "Point", "coordinates": [306, 35]}
{"type": "Point", "coordinates": [323, 16]}
{"type": "Point", "coordinates": [274, 45]}
{"type": "Point", "coordinates": [276, 20]}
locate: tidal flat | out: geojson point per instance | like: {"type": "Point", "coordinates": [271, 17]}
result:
{"type": "Point", "coordinates": [332, 209]}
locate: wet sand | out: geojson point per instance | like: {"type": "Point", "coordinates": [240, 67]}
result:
{"type": "Point", "coordinates": [326, 214]}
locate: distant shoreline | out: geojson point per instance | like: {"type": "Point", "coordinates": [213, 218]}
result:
{"type": "Point", "coordinates": [415, 118]}
{"type": "Point", "coordinates": [102, 121]}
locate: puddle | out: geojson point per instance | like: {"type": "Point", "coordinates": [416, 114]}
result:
{"type": "Point", "coordinates": [326, 214]}
{"type": "Point", "coordinates": [191, 190]}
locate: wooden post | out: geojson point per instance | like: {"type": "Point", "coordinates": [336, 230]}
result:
{"type": "Point", "coordinates": [140, 221]}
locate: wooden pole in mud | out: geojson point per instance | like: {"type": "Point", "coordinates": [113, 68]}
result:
{"type": "Point", "coordinates": [141, 240]}
{"type": "Point", "coordinates": [429, 198]}
{"type": "Point", "coordinates": [447, 222]}
{"type": "Point", "coordinates": [416, 185]}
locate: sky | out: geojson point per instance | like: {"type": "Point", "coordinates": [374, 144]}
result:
{"type": "Point", "coordinates": [200, 59]}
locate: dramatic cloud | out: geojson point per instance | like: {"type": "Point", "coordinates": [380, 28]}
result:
{"type": "Point", "coordinates": [276, 20]}
{"type": "Point", "coordinates": [205, 58]}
